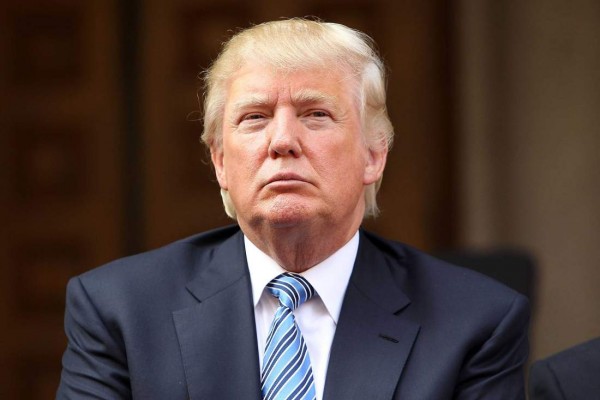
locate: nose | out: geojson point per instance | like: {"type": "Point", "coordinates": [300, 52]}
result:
{"type": "Point", "coordinates": [284, 136]}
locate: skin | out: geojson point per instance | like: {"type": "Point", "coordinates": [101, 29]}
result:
{"type": "Point", "coordinates": [294, 161]}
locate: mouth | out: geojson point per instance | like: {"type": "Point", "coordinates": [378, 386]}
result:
{"type": "Point", "coordinates": [286, 177]}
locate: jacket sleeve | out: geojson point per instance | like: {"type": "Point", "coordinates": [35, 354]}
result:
{"type": "Point", "coordinates": [543, 383]}
{"type": "Point", "coordinates": [494, 370]}
{"type": "Point", "coordinates": [94, 363]}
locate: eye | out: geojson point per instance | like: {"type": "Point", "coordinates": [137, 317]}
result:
{"type": "Point", "coordinates": [251, 122]}
{"type": "Point", "coordinates": [252, 117]}
{"type": "Point", "coordinates": [317, 114]}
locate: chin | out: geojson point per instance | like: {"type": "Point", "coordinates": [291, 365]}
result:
{"type": "Point", "coordinates": [288, 214]}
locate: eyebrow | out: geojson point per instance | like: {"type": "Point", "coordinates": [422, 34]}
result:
{"type": "Point", "coordinates": [300, 97]}
{"type": "Point", "coordinates": [308, 96]}
{"type": "Point", "coordinates": [250, 101]}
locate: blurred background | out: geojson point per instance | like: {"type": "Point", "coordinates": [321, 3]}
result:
{"type": "Point", "coordinates": [496, 106]}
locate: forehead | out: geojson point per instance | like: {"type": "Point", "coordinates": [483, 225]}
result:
{"type": "Point", "coordinates": [261, 83]}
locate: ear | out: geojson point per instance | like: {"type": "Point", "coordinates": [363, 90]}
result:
{"type": "Point", "coordinates": [375, 163]}
{"type": "Point", "coordinates": [218, 159]}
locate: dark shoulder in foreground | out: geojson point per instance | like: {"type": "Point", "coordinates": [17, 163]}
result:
{"type": "Point", "coordinates": [569, 374]}
{"type": "Point", "coordinates": [574, 360]}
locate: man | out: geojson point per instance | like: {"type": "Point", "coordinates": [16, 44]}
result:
{"type": "Point", "coordinates": [296, 123]}
{"type": "Point", "coordinates": [571, 374]}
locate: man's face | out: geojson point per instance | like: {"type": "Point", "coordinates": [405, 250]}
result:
{"type": "Point", "coordinates": [293, 152]}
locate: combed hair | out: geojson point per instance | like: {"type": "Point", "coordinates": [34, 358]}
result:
{"type": "Point", "coordinates": [299, 44]}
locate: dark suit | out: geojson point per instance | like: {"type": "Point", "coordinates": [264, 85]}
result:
{"type": "Point", "coordinates": [178, 322]}
{"type": "Point", "coordinates": [573, 374]}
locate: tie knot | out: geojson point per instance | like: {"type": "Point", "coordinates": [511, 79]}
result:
{"type": "Point", "coordinates": [291, 289]}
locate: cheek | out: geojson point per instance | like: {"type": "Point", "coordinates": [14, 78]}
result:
{"type": "Point", "coordinates": [242, 163]}
{"type": "Point", "coordinates": [342, 164]}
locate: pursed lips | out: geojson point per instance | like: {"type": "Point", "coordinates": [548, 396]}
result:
{"type": "Point", "coordinates": [286, 176]}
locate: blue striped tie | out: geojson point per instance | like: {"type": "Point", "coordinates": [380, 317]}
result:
{"type": "Point", "coordinates": [286, 372]}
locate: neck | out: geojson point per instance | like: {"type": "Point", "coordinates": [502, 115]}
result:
{"type": "Point", "coordinates": [296, 249]}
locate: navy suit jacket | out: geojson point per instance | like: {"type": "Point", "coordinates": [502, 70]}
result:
{"type": "Point", "coordinates": [178, 323]}
{"type": "Point", "coordinates": [573, 374]}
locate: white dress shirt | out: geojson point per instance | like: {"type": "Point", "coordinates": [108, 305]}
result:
{"type": "Point", "coordinates": [318, 317]}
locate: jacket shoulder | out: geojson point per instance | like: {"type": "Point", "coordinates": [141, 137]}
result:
{"type": "Point", "coordinates": [437, 287]}
{"type": "Point", "coordinates": [171, 265]}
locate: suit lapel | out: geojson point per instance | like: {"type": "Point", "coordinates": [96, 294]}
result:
{"type": "Point", "coordinates": [217, 335]}
{"type": "Point", "coordinates": [373, 337]}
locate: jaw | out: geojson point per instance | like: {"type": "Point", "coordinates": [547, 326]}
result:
{"type": "Point", "coordinates": [300, 234]}
{"type": "Point", "coordinates": [282, 211]}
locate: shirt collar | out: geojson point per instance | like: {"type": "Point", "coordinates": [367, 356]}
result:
{"type": "Point", "coordinates": [329, 278]}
